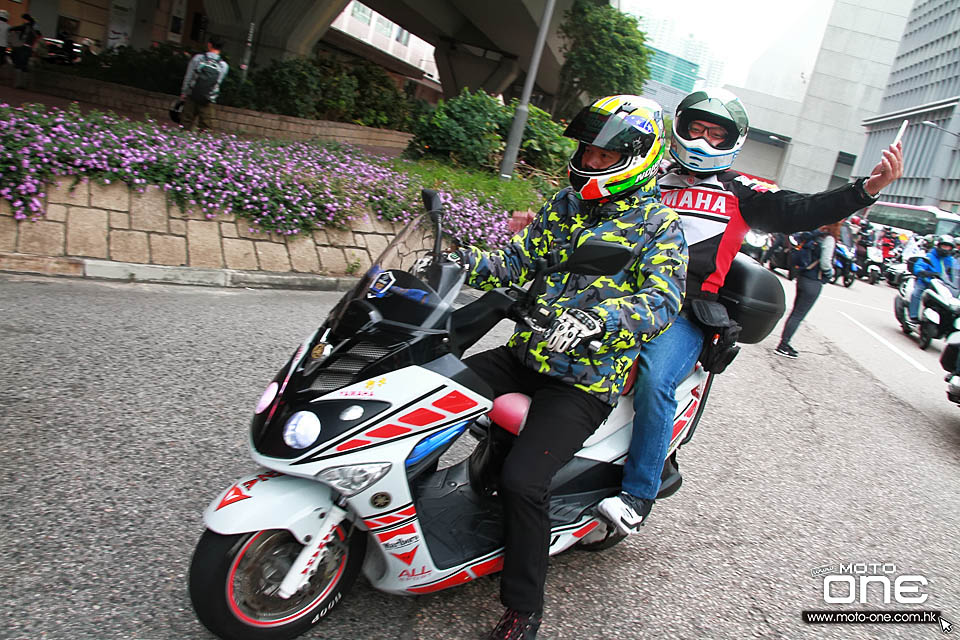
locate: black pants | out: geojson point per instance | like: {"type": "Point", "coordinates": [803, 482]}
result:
{"type": "Point", "coordinates": [560, 420]}
{"type": "Point", "coordinates": [808, 290]}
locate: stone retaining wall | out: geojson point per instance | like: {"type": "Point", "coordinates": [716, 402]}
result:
{"type": "Point", "coordinates": [136, 102]}
{"type": "Point", "coordinates": [111, 222]}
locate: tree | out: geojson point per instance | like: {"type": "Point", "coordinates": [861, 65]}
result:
{"type": "Point", "coordinates": [605, 55]}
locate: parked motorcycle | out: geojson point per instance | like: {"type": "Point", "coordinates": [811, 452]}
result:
{"type": "Point", "coordinates": [755, 244]}
{"type": "Point", "coordinates": [939, 309]}
{"type": "Point", "coordinates": [351, 429]}
{"type": "Point", "coordinates": [844, 268]}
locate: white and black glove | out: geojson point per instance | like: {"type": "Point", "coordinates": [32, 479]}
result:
{"type": "Point", "coordinates": [571, 328]}
{"type": "Point", "coordinates": [424, 261]}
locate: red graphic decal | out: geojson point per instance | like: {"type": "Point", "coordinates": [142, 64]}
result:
{"type": "Point", "coordinates": [452, 581]}
{"type": "Point", "coordinates": [383, 537]}
{"type": "Point", "coordinates": [454, 402]}
{"type": "Point", "coordinates": [406, 557]}
{"type": "Point", "coordinates": [234, 494]}
{"type": "Point", "coordinates": [263, 477]}
{"type": "Point", "coordinates": [487, 566]}
{"type": "Point", "coordinates": [382, 521]}
{"type": "Point", "coordinates": [695, 392]}
{"type": "Point", "coordinates": [421, 417]}
{"type": "Point", "coordinates": [413, 574]}
{"type": "Point", "coordinates": [388, 431]}
{"type": "Point", "coordinates": [352, 444]}
{"type": "Point", "coordinates": [584, 530]}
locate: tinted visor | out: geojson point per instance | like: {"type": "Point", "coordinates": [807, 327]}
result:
{"type": "Point", "coordinates": [689, 115]}
{"type": "Point", "coordinates": [629, 135]}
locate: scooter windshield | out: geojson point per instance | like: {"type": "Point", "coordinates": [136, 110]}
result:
{"type": "Point", "coordinates": [395, 288]}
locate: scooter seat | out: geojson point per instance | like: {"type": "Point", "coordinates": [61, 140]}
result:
{"type": "Point", "coordinates": [510, 411]}
{"type": "Point", "coordinates": [631, 378]}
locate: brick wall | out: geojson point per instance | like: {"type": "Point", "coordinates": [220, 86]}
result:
{"type": "Point", "coordinates": [136, 102]}
{"type": "Point", "coordinates": [111, 222]}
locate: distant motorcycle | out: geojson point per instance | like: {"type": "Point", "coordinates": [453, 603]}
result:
{"type": "Point", "coordinates": [871, 264]}
{"type": "Point", "coordinates": [755, 244]}
{"type": "Point", "coordinates": [844, 268]}
{"type": "Point", "coordinates": [778, 257]}
{"type": "Point", "coordinates": [939, 309]}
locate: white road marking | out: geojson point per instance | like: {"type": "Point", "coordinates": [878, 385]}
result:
{"type": "Point", "coordinates": [887, 344]}
{"type": "Point", "coordinates": [865, 306]}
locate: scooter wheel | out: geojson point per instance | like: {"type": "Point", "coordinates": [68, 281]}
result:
{"type": "Point", "coordinates": [872, 278]}
{"type": "Point", "coordinates": [234, 579]}
{"type": "Point", "coordinates": [924, 337]}
{"type": "Point", "coordinates": [848, 279]}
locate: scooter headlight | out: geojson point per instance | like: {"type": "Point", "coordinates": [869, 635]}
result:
{"type": "Point", "coordinates": [755, 239]}
{"type": "Point", "coordinates": [351, 479]}
{"type": "Point", "coordinates": [302, 430]}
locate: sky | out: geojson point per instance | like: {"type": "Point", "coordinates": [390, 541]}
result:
{"type": "Point", "coordinates": [740, 31]}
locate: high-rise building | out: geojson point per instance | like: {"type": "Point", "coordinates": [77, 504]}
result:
{"type": "Point", "coordinates": [924, 88]}
{"type": "Point", "coordinates": [672, 70]}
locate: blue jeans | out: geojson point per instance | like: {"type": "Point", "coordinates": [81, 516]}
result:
{"type": "Point", "coordinates": [919, 287]}
{"type": "Point", "coordinates": [661, 366]}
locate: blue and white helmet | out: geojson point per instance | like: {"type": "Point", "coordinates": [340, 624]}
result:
{"type": "Point", "coordinates": [717, 106]}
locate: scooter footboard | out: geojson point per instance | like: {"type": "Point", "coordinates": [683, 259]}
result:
{"type": "Point", "coordinates": [270, 500]}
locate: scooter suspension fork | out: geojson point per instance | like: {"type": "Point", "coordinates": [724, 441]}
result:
{"type": "Point", "coordinates": [312, 553]}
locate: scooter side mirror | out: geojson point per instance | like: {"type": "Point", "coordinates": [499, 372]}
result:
{"type": "Point", "coordinates": [431, 200]}
{"type": "Point", "coordinates": [597, 258]}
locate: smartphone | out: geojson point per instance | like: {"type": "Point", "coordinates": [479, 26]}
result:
{"type": "Point", "coordinates": [903, 127]}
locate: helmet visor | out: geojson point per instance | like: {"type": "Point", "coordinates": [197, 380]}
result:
{"type": "Point", "coordinates": [629, 135]}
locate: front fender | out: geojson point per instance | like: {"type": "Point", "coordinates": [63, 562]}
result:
{"type": "Point", "coordinates": [270, 500]}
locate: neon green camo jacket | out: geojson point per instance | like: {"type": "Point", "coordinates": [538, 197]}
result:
{"type": "Point", "coordinates": [635, 305]}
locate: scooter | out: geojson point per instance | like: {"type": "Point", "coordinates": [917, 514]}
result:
{"type": "Point", "coordinates": [350, 432]}
{"type": "Point", "coordinates": [871, 266]}
{"type": "Point", "coordinates": [939, 309]}
{"type": "Point", "coordinates": [844, 267]}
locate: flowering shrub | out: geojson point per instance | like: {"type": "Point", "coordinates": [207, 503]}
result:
{"type": "Point", "coordinates": [284, 188]}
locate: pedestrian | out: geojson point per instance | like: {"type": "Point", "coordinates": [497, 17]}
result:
{"type": "Point", "coordinates": [4, 40]}
{"type": "Point", "coordinates": [201, 86]}
{"type": "Point", "coordinates": [26, 38]}
{"type": "Point", "coordinates": [814, 263]}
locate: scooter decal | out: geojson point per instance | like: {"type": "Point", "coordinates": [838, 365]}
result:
{"type": "Point", "coordinates": [409, 529]}
{"type": "Point", "coordinates": [407, 556]}
{"type": "Point", "coordinates": [455, 402]}
{"type": "Point", "coordinates": [582, 531]}
{"type": "Point", "coordinates": [414, 574]}
{"type": "Point", "coordinates": [390, 518]}
{"type": "Point", "coordinates": [454, 580]}
{"type": "Point", "coordinates": [234, 494]}
{"type": "Point", "coordinates": [421, 417]}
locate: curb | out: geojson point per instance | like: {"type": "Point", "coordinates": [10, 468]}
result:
{"type": "Point", "coordinates": [130, 272]}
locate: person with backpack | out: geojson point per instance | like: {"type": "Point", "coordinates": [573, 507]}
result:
{"type": "Point", "coordinates": [201, 86]}
{"type": "Point", "coordinates": [27, 35]}
{"type": "Point", "coordinates": [814, 262]}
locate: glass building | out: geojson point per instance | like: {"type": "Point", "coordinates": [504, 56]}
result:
{"type": "Point", "coordinates": [672, 70]}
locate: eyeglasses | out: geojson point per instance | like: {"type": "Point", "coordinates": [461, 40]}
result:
{"type": "Point", "coordinates": [697, 130]}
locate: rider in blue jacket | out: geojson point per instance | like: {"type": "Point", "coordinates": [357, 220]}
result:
{"type": "Point", "coordinates": [938, 263]}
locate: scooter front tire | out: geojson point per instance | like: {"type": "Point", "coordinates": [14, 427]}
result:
{"type": "Point", "coordinates": [234, 578]}
{"type": "Point", "coordinates": [848, 279]}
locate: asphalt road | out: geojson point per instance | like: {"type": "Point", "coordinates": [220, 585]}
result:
{"type": "Point", "coordinates": [124, 409]}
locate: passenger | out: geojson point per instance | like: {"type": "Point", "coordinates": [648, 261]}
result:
{"type": "Point", "coordinates": [718, 206]}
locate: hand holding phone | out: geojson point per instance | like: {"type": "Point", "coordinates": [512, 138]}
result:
{"type": "Point", "coordinates": [903, 127]}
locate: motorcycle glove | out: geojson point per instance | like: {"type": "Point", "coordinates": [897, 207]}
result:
{"type": "Point", "coordinates": [571, 328]}
{"type": "Point", "coordinates": [423, 262]}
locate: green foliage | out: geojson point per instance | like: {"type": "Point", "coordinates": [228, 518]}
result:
{"type": "Point", "coordinates": [324, 88]}
{"type": "Point", "coordinates": [605, 55]}
{"type": "Point", "coordinates": [465, 130]}
{"type": "Point", "coordinates": [471, 130]}
{"type": "Point", "coordinates": [507, 195]}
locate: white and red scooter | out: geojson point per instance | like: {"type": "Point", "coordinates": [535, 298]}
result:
{"type": "Point", "coordinates": [351, 430]}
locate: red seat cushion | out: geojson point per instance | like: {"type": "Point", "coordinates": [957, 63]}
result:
{"type": "Point", "coordinates": [510, 411]}
{"type": "Point", "coordinates": [631, 378]}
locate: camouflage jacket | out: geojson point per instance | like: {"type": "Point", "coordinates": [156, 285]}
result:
{"type": "Point", "coordinates": [635, 305]}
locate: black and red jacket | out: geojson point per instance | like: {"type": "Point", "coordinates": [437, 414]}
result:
{"type": "Point", "coordinates": [718, 209]}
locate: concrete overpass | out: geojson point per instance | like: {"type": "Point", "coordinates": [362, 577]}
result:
{"type": "Point", "coordinates": [479, 44]}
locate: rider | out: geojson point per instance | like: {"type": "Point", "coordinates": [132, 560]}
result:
{"type": "Point", "coordinates": [938, 263]}
{"type": "Point", "coordinates": [572, 381]}
{"type": "Point", "coordinates": [717, 206]}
